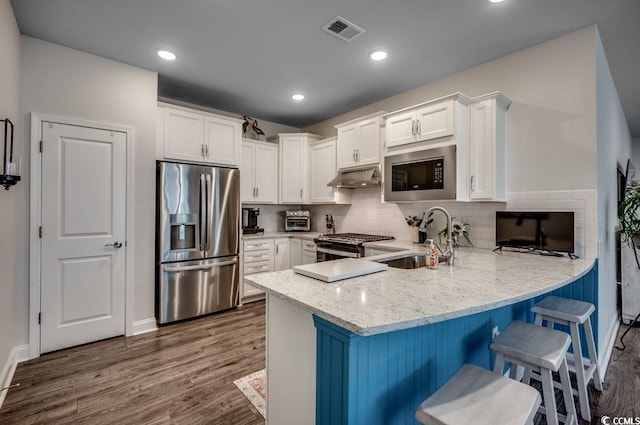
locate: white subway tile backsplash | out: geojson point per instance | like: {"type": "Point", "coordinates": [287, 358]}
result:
{"type": "Point", "coordinates": [368, 214]}
{"type": "Point", "coordinates": [590, 197]}
{"type": "Point", "coordinates": [573, 204]}
{"type": "Point", "coordinates": [560, 194]}
{"type": "Point", "coordinates": [548, 204]}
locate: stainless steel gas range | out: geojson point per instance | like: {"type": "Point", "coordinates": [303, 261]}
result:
{"type": "Point", "coordinates": [344, 245]}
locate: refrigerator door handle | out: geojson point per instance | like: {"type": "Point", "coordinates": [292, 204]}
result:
{"type": "Point", "coordinates": [207, 210]}
{"type": "Point", "coordinates": [200, 266]}
{"type": "Point", "coordinates": [203, 214]}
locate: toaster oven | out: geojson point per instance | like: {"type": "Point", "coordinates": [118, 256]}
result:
{"type": "Point", "coordinates": [297, 221]}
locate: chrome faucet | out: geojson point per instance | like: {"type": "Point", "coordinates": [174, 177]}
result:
{"type": "Point", "coordinates": [448, 254]}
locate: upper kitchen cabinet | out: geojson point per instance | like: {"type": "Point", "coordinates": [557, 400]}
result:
{"type": "Point", "coordinates": [359, 142]}
{"type": "Point", "coordinates": [323, 169]}
{"type": "Point", "coordinates": [259, 172]}
{"type": "Point", "coordinates": [487, 147]}
{"type": "Point", "coordinates": [427, 121]}
{"type": "Point", "coordinates": [294, 168]}
{"type": "Point", "coordinates": [196, 136]}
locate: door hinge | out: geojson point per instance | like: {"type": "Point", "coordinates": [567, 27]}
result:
{"type": "Point", "coordinates": [40, 146]}
{"type": "Point", "coordinates": [40, 232]}
{"type": "Point", "coordinates": [39, 318]}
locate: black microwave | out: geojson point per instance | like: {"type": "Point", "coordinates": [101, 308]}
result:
{"type": "Point", "coordinates": [423, 175]}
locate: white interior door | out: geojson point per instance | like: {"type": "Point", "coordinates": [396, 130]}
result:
{"type": "Point", "coordinates": [83, 235]}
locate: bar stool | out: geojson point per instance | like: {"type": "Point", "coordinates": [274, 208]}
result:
{"type": "Point", "coordinates": [478, 396]}
{"type": "Point", "coordinates": [543, 351]}
{"type": "Point", "coordinates": [573, 313]}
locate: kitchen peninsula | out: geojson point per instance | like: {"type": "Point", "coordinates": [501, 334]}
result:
{"type": "Point", "coordinates": [368, 350]}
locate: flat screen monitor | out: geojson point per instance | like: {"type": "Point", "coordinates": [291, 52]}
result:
{"type": "Point", "coordinates": [548, 231]}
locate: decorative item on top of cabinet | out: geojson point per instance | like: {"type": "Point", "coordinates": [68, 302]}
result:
{"type": "Point", "coordinates": [250, 128]}
{"type": "Point", "coordinates": [323, 168]}
{"type": "Point", "coordinates": [198, 136]}
{"type": "Point", "coordinates": [487, 147]}
{"type": "Point", "coordinates": [294, 168]}
{"type": "Point", "coordinates": [426, 121]}
{"type": "Point", "coordinates": [259, 172]}
{"type": "Point", "coordinates": [359, 141]}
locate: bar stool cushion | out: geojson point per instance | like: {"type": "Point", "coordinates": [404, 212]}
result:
{"type": "Point", "coordinates": [536, 345]}
{"type": "Point", "coordinates": [564, 309]}
{"type": "Point", "coordinates": [477, 396]}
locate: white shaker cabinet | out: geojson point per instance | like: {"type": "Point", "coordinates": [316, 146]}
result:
{"type": "Point", "coordinates": [222, 138]}
{"type": "Point", "coordinates": [296, 252]}
{"type": "Point", "coordinates": [259, 172]}
{"type": "Point", "coordinates": [282, 257]}
{"type": "Point", "coordinates": [487, 147]}
{"type": "Point", "coordinates": [183, 135]}
{"type": "Point", "coordinates": [358, 142]}
{"type": "Point", "coordinates": [294, 169]}
{"type": "Point", "coordinates": [258, 257]}
{"type": "Point", "coordinates": [323, 169]}
{"type": "Point", "coordinates": [423, 122]}
{"type": "Point", "coordinates": [192, 135]}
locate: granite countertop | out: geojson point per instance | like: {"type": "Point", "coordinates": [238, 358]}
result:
{"type": "Point", "coordinates": [269, 235]}
{"type": "Point", "coordinates": [398, 299]}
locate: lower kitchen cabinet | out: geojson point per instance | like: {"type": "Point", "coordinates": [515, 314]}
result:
{"type": "Point", "coordinates": [296, 252]}
{"type": "Point", "coordinates": [283, 254]}
{"type": "Point", "coordinates": [273, 254]}
{"type": "Point", "coordinates": [258, 257]}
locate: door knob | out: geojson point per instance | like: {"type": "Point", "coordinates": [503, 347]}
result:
{"type": "Point", "coordinates": [116, 244]}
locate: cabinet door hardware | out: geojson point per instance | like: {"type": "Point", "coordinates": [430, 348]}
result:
{"type": "Point", "coordinates": [413, 127]}
{"type": "Point", "coordinates": [300, 193]}
{"type": "Point", "coordinates": [472, 188]}
{"type": "Point", "coordinates": [418, 128]}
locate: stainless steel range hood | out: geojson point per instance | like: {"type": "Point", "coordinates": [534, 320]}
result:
{"type": "Point", "coordinates": [354, 179]}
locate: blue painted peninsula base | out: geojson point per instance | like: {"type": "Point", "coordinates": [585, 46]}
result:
{"type": "Point", "coordinates": [381, 379]}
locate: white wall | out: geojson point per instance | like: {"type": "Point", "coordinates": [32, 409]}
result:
{"type": "Point", "coordinates": [551, 124]}
{"type": "Point", "coordinates": [614, 148]}
{"type": "Point", "coordinates": [9, 102]}
{"type": "Point", "coordinates": [66, 82]}
{"type": "Point", "coordinates": [635, 155]}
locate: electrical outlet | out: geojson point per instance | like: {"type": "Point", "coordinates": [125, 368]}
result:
{"type": "Point", "coordinates": [494, 332]}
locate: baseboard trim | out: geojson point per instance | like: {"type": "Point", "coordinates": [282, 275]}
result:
{"type": "Point", "coordinates": [604, 355]}
{"type": "Point", "coordinates": [145, 325]}
{"type": "Point", "coordinates": [18, 354]}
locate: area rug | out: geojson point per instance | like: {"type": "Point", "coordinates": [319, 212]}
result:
{"type": "Point", "coordinates": [254, 388]}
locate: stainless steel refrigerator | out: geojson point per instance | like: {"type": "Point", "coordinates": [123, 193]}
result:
{"type": "Point", "coordinates": [197, 240]}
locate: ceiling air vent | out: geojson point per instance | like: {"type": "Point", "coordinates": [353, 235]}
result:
{"type": "Point", "coordinates": [343, 29]}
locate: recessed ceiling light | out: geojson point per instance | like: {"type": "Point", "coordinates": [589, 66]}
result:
{"type": "Point", "coordinates": [496, 1]}
{"type": "Point", "coordinates": [297, 96]}
{"type": "Point", "coordinates": [166, 55]}
{"type": "Point", "coordinates": [378, 55]}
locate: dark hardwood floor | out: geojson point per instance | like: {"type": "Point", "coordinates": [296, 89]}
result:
{"type": "Point", "coordinates": [183, 375]}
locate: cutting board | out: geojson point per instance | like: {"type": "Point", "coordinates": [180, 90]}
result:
{"type": "Point", "coordinates": [331, 271]}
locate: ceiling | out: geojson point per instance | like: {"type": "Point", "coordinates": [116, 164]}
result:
{"type": "Point", "coordinates": [250, 56]}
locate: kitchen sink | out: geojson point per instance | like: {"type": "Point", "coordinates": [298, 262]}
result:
{"type": "Point", "coordinates": [412, 261]}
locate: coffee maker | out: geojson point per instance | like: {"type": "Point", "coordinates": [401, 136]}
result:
{"type": "Point", "coordinates": [250, 221]}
